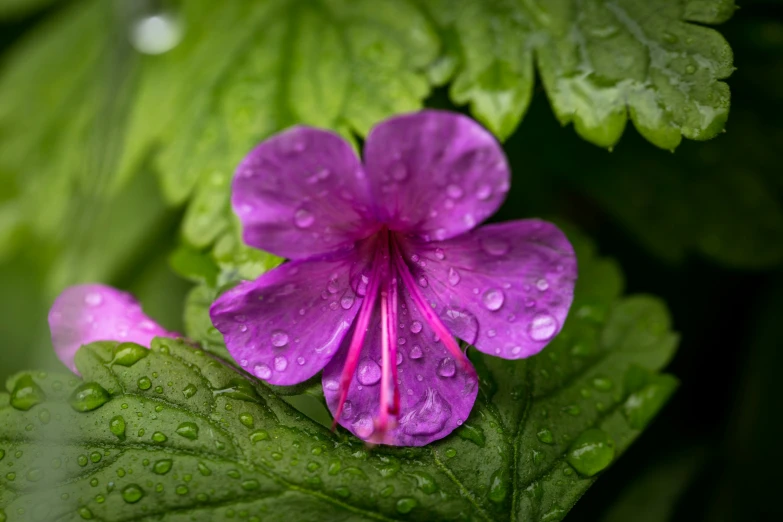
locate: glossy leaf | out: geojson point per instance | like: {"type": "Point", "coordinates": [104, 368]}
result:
{"type": "Point", "coordinates": [601, 63]}
{"type": "Point", "coordinates": [181, 433]}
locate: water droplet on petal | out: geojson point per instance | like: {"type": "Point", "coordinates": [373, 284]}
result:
{"type": "Point", "coordinates": [399, 358]}
{"type": "Point", "coordinates": [93, 299]}
{"type": "Point", "coordinates": [542, 284]}
{"type": "Point", "coordinates": [262, 371]}
{"type": "Point", "coordinates": [331, 385]}
{"type": "Point", "coordinates": [493, 299]}
{"type": "Point", "coordinates": [423, 282]}
{"type": "Point", "coordinates": [281, 363]}
{"type": "Point", "coordinates": [279, 338]}
{"type": "Point", "coordinates": [369, 372]}
{"type": "Point", "coordinates": [333, 286]}
{"type": "Point", "coordinates": [416, 327]}
{"type": "Point", "coordinates": [347, 302]}
{"type": "Point", "coordinates": [454, 191]}
{"type": "Point", "coordinates": [495, 246]}
{"type": "Point", "coordinates": [399, 172]}
{"type": "Point", "coordinates": [483, 192]}
{"type": "Point", "coordinates": [447, 367]}
{"type": "Point", "coordinates": [454, 277]}
{"type": "Point", "coordinates": [415, 352]}
{"type": "Point", "coordinates": [347, 410]}
{"type": "Point", "coordinates": [428, 416]}
{"type": "Point", "coordinates": [303, 218]}
{"type": "Point", "coordinates": [300, 361]}
{"type": "Point", "coordinates": [439, 254]}
{"type": "Point", "coordinates": [542, 327]}
{"type": "Point", "coordinates": [363, 426]}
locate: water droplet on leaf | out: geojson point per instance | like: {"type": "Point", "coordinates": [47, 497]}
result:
{"type": "Point", "coordinates": [591, 452]}
{"type": "Point", "coordinates": [88, 397]}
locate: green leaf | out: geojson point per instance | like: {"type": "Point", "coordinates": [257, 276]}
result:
{"type": "Point", "coordinates": [182, 433]}
{"type": "Point", "coordinates": [259, 68]}
{"type": "Point", "coordinates": [601, 63]}
{"type": "Point", "coordinates": [82, 113]}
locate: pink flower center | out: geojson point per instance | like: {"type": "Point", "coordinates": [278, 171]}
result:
{"type": "Point", "coordinates": [387, 269]}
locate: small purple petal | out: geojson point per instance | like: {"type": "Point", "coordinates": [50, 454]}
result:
{"type": "Point", "coordinates": [301, 193]}
{"type": "Point", "coordinates": [88, 313]}
{"type": "Point", "coordinates": [504, 288]}
{"type": "Point", "coordinates": [287, 324]}
{"type": "Point", "coordinates": [436, 395]}
{"type": "Point", "coordinates": [434, 174]}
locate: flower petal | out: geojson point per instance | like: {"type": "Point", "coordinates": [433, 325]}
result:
{"type": "Point", "coordinates": [287, 324]}
{"type": "Point", "coordinates": [436, 395]}
{"type": "Point", "coordinates": [435, 174]}
{"type": "Point", "coordinates": [302, 193]}
{"type": "Point", "coordinates": [85, 314]}
{"type": "Point", "coordinates": [504, 288]}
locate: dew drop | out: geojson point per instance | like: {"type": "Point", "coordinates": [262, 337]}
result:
{"type": "Point", "coordinates": [93, 299]}
{"type": "Point", "coordinates": [542, 284]}
{"type": "Point", "coordinates": [454, 277]}
{"type": "Point", "coordinates": [447, 367]}
{"type": "Point", "coordinates": [279, 338]}
{"type": "Point", "coordinates": [498, 486]}
{"type": "Point", "coordinates": [117, 427]}
{"type": "Point", "coordinates": [156, 34]}
{"type": "Point", "coordinates": [347, 302]}
{"type": "Point", "coordinates": [132, 494]}
{"type": "Point", "coordinates": [128, 354]}
{"type": "Point", "coordinates": [369, 372]}
{"type": "Point", "coordinates": [26, 393]}
{"type": "Point", "coordinates": [189, 430]}
{"type": "Point", "coordinates": [300, 360]}
{"type": "Point", "coordinates": [406, 505]}
{"type": "Point", "coordinates": [303, 218]}
{"type": "Point", "coordinates": [440, 254]}
{"type": "Point", "coordinates": [454, 191]}
{"type": "Point", "coordinates": [88, 397]}
{"type": "Point", "coordinates": [495, 246]}
{"type": "Point", "coordinates": [416, 327]}
{"type": "Point", "coordinates": [493, 299]}
{"type": "Point", "coordinates": [545, 436]}
{"type": "Point", "coordinates": [542, 327]}
{"type": "Point", "coordinates": [281, 363]}
{"type": "Point", "coordinates": [415, 352]}
{"type": "Point", "coordinates": [144, 383]}
{"type": "Point", "coordinates": [591, 452]}
{"type": "Point", "coordinates": [159, 437]}
{"type": "Point", "coordinates": [259, 435]}
{"type": "Point", "coordinates": [262, 371]}
{"type": "Point", "coordinates": [189, 391]}
{"type": "Point", "coordinates": [428, 416]}
{"type": "Point", "coordinates": [363, 426]}
{"type": "Point", "coordinates": [162, 467]}
{"type": "Point", "coordinates": [423, 282]}
{"type": "Point", "coordinates": [483, 192]}
{"type": "Point", "coordinates": [399, 172]}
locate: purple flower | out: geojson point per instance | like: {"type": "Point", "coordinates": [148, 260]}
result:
{"type": "Point", "coordinates": [386, 270]}
{"type": "Point", "coordinates": [85, 314]}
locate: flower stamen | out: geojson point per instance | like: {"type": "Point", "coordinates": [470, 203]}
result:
{"type": "Point", "coordinates": [427, 312]}
{"type": "Point", "coordinates": [360, 331]}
